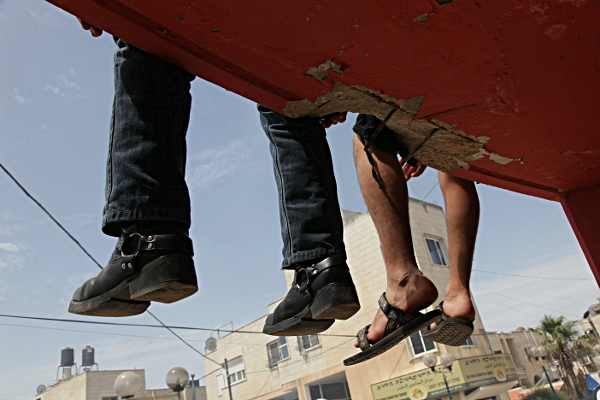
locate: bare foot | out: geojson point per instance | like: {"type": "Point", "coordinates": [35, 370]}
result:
{"type": "Point", "coordinates": [412, 292]}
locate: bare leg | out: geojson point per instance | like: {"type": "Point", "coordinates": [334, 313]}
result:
{"type": "Point", "coordinates": [407, 287]}
{"type": "Point", "coordinates": [462, 216]}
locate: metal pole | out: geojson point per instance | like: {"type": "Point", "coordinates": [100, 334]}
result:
{"type": "Point", "coordinates": [229, 380]}
{"type": "Point", "coordinates": [448, 387]}
{"type": "Point", "coordinates": [550, 382]}
{"type": "Point", "coordinates": [193, 388]}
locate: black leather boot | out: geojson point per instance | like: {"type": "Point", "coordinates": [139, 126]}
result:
{"type": "Point", "coordinates": [143, 268]}
{"type": "Point", "coordinates": [320, 294]}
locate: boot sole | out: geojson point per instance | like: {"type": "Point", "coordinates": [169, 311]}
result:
{"type": "Point", "coordinates": [299, 325]}
{"type": "Point", "coordinates": [335, 301]}
{"type": "Point", "coordinates": [167, 279]}
{"type": "Point", "coordinates": [106, 307]}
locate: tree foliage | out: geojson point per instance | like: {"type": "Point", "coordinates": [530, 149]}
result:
{"type": "Point", "coordinates": [545, 394]}
{"type": "Point", "coordinates": [559, 337]}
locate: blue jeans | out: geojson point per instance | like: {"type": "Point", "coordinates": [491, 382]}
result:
{"type": "Point", "coordinates": [311, 222]}
{"type": "Point", "coordinates": [145, 177]}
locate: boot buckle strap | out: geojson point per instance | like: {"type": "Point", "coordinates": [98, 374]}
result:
{"type": "Point", "coordinates": [308, 272]}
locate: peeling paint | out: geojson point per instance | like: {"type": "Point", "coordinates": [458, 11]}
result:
{"type": "Point", "coordinates": [320, 73]}
{"type": "Point", "coordinates": [448, 148]}
{"type": "Point", "coordinates": [420, 19]}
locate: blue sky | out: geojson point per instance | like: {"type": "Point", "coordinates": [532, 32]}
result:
{"type": "Point", "coordinates": [55, 99]}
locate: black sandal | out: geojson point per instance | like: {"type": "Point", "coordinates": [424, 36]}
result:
{"type": "Point", "coordinates": [400, 325]}
{"type": "Point", "coordinates": [450, 331]}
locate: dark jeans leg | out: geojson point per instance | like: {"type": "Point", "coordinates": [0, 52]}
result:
{"type": "Point", "coordinates": [311, 222]}
{"type": "Point", "coordinates": [145, 179]}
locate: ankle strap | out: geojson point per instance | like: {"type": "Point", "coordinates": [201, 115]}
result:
{"type": "Point", "coordinates": [313, 270]}
{"type": "Point", "coordinates": [173, 242]}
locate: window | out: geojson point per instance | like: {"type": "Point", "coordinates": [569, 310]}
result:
{"type": "Point", "coordinates": [421, 345]}
{"type": "Point", "coordinates": [109, 398]}
{"type": "Point", "coordinates": [330, 391]}
{"type": "Point", "coordinates": [435, 252]}
{"type": "Point", "coordinates": [236, 374]}
{"type": "Point", "coordinates": [277, 351]}
{"type": "Point", "coordinates": [469, 342]}
{"type": "Point", "coordinates": [308, 342]}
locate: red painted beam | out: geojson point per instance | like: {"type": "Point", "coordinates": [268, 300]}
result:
{"type": "Point", "coordinates": [583, 211]}
{"type": "Point", "coordinates": [524, 73]}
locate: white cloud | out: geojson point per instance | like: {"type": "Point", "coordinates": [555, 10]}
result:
{"type": "Point", "coordinates": [18, 98]}
{"type": "Point", "coordinates": [64, 87]}
{"type": "Point", "coordinates": [66, 82]}
{"type": "Point", "coordinates": [53, 89]}
{"type": "Point", "coordinates": [47, 17]}
{"type": "Point", "coordinates": [214, 164]}
{"type": "Point", "coordinates": [10, 247]}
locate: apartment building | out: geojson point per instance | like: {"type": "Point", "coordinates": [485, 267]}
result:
{"type": "Point", "coordinates": [264, 367]}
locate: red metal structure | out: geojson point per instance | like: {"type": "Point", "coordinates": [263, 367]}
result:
{"type": "Point", "coordinates": [500, 92]}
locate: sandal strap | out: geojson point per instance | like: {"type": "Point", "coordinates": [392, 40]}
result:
{"type": "Point", "coordinates": [308, 273]}
{"type": "Point", "coordinates": [363, 342]}
{"type": "Point", "coordinates": [395, 315]}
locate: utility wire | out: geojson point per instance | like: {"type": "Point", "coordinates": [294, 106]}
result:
{"type": "Point", "coordinates": [522, 301]}
{"type": "Point", "coordinates": [49, 215]}
{"type": "Point", "coordinates": [535, 277]}
{"type": "Point", "coordinates": [89, 255]}
{"type": "Point", "coordinates": [169, 327]}
{"type": "Point", "coordinates": [98, 333]}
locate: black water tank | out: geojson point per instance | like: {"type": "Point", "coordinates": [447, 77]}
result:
{"type": "Point", "coordinates": [87, 356]}
{"type": "Point", "coordinates": [67, 357]}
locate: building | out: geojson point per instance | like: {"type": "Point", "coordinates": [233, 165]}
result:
{"type": "Point", "coordinates": [517, 344]}
{"type": "Point", "coordinates": [310, 367]}
{"type": "Point", "coordinates": [99, 385]}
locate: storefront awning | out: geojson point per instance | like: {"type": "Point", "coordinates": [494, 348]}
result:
{"type": "Point", "coordinates": [483, 392]}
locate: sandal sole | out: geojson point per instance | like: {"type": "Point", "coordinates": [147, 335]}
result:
{"type": "Point", "coordinates": [451, 332]}
{"type": "Point", "coordinates": [395, 337]}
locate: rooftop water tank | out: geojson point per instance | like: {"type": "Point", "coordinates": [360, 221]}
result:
{"type": "Point", "coordinates": [67, 357]}
{"type": "Point", "coordinates": [87, 356]}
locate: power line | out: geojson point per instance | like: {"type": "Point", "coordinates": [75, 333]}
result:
{"type": "Point", "coordinates": [89, 255]}
{"type": "Point", "coordinates": [98, 333]}
{"type": "Point", "coordinates": [522, 301]}
{"type": "Point", "coordinates": [170, 328]}
{"type": "Point", "coordinates": [534, 277]}
{"type": "Point", "coordinates": [49, 215]}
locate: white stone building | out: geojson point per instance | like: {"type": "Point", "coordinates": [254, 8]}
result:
{"type": "Point", "coordinates": [99, 385]}
{"type": "Point", "coordinates": [310, 368]}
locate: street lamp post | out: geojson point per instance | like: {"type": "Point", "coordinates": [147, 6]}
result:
{"type": "Point", "coordinates": [446, 360]}
{"type": "Point", "coordinates": [128, 383]}
{"type": "Point", "coordinates": [193, 388]}
{"type": "Point", "coordinates": [539, 353]}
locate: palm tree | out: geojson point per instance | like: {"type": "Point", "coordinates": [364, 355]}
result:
{"type": "Point", "coordinates": [557, 337]}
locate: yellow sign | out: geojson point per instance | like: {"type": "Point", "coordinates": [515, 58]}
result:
{"type": "Point", "coordinates": [466, 373]}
